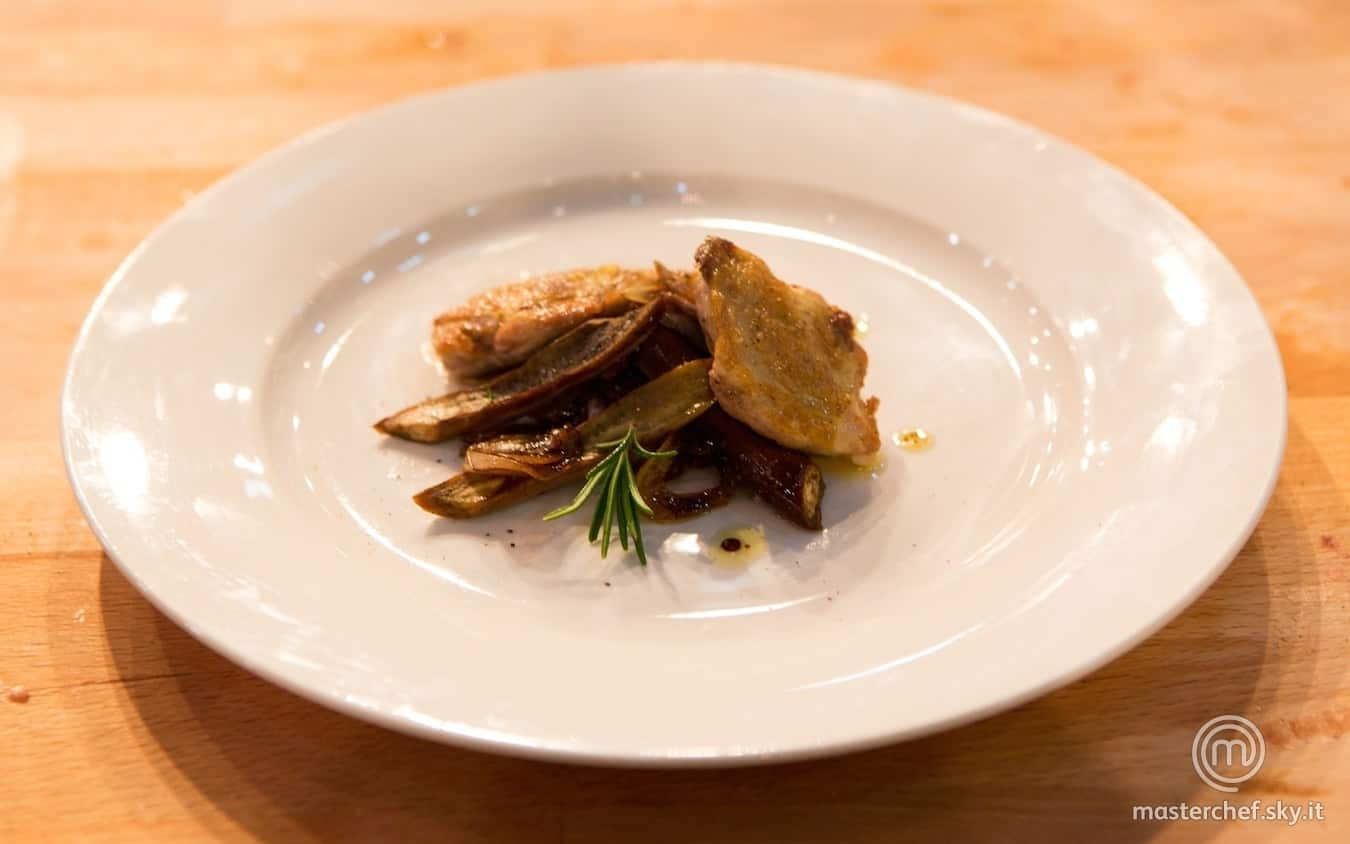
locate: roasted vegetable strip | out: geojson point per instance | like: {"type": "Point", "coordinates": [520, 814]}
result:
{"type": "Point", "coordinates": [660, 406]}
{"type": "Point", "coordinates": [665, 404]}
{"type": "Point", "coordinates": [576, 356]}
{"type": "Point", "coordinates": [469, 494]}
{"type": "Point", "coordinates": [668, 402]}
{"type": "Point", "coordinates": [788, 480]}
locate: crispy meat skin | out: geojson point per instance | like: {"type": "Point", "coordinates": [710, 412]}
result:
{"type": "Point", "coordinates": [502, 326]}
{"type": "Point", "coordinates": [784, 360]}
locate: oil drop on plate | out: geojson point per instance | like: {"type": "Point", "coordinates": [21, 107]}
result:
{"type": "Point", "coordinates": [913, 439]}
{"type": "Point", "coordinates": [738, 546]}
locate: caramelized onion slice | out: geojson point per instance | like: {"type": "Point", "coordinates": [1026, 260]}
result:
{"type": "Point", "coordinates": [527, 455]}
{"type": "Point", "coordinates": [668, 505]}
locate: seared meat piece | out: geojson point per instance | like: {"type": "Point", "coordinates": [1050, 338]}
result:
{"type": "Point", "coordinates": [784, 360]}
{"type": "Point", "coordinates": [503, 326]}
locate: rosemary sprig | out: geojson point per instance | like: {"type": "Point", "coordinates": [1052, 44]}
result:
{"type": "Point", "coordinates": [619, 497]}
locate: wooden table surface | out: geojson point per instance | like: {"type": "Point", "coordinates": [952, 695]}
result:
{"type": "Point", "coordinates": [112, 114]}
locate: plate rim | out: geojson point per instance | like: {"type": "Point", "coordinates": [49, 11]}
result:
{"type": "Point", "coordinates": [585, 755]}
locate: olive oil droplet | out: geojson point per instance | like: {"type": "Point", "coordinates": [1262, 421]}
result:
{"type": "Point", "coordinates": [913, 439]}
{"type": "Point", "coordinates": [737, 546]}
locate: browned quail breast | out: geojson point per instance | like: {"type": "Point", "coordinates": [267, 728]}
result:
{"type": "Point", "coordinates": [785, 361]}
{"type": "Point", "coordinates": [501, 327]}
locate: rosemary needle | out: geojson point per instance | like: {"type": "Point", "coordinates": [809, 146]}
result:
{"type": "Point", "coordinates": [619, 497]}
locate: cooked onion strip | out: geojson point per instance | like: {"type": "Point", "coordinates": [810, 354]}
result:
{"type": "Point", "coordinates": [668, 505]}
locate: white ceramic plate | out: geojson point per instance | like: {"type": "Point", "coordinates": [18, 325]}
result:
{"type": "Point", "coordinates": [1107, 404]}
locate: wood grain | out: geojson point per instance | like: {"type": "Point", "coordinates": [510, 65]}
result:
{"type": "Point", "coordinates": [112, 114]}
